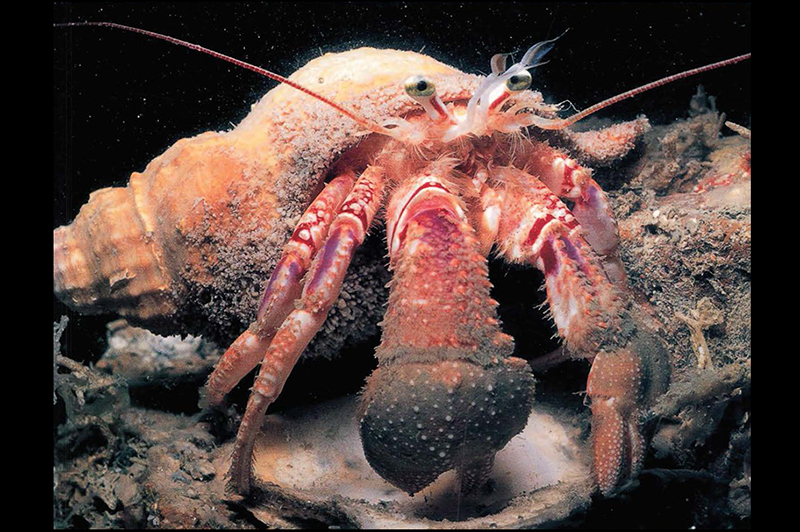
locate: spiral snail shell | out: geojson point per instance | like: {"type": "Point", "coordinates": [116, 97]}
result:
{"type": "Point", "coordinates": [189, 243]}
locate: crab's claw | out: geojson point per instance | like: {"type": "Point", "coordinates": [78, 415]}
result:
{"type": "Point", "coordinates": [424, 418]}
{"type": "Point", "coordinates": [622, 384]}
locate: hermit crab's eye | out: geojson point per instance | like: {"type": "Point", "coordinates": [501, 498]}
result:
{"type": "Point", "coordinates": [419, 87]}
{"type": "Point", "coordinates": [423, 91]}
{"type": "Point", "coordinates": [519, 82]}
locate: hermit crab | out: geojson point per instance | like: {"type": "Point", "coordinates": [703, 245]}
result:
{"type": "Point", "coordinates": [456, 166]}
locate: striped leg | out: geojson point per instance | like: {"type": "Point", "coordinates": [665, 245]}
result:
{"type": "Point", "coordinates": [592, 316]}
{"type": "Point", "coordinates": [324, 281]}
{"type": "Point", "coordinates": [536, 227]}
{"type": "Point", "coordinates": [283, 288]}
{"type": "Point", "coordinates": [567, 179]}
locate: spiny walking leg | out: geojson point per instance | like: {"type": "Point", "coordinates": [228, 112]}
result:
{"type": "Point", "coordinates": [324, 281]}
{"type": "Point", "coordinates": [594, 317]}
{"type": "Point", "coordinates": [569, 180]}
{"type": "Point", "coordinates": [283, 288]}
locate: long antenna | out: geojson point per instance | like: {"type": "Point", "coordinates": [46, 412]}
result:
{"type": "Point", "coordinates": [561, 123]}
{"type": "Point", "coordinates": [375, 128]}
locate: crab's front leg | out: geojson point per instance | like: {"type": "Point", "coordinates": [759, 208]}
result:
{"type": "Point", "coordinates": [595, 318]}
{"type": "Point", "coordinates": [446, 393]}
{"type": "Point", "coordinates": [567, 179]}
{"type": "Point", "coordinates": [322, 285]}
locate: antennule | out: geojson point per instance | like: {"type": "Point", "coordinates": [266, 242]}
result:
{"type": "Point", "coordinates": [561, 123]}
{"type": "Point", "coordinates": [375, 128]}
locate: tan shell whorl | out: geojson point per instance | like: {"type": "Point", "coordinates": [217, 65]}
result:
{"type": "Point", "coordinates": [137, 250]}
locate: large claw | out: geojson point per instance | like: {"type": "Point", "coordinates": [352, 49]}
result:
{"type": "Point", "coordinates": [422, 419]}
{"type": "Point", "coordinates": [621, 385]}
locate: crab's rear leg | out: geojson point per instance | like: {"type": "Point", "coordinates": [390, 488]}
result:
{"type": "Point", "coordinates": [283, 288]}
{"type": "Point", "coordinates": [446, 393]}
{"type": "Point", "coordinates": [595, 318]}
{"type": "Point", "coordinates": [322, 286]}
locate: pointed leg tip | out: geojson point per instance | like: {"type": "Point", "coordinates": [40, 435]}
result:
{"type": "Point", "coordinates": [475, 474]}
{"type": "Point", "coordinates": [239, 477]}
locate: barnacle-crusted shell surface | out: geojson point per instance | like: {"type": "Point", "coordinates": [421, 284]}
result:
{"type": "Point", "coordinates": [188, 245]}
